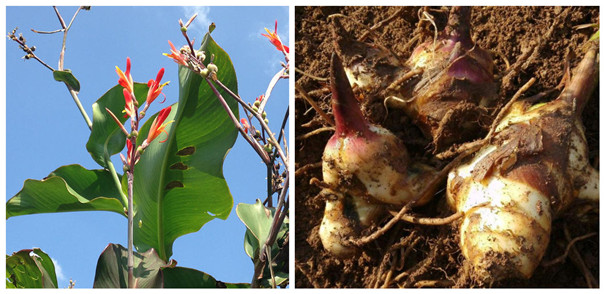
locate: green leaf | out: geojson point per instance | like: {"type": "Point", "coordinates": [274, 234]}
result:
{"type": "Point", "coordinates": [30, 268]}
{"type": "Point", "coordinates": [150, 271]}
{"type": "Point", "coordinates": [112, 268]}
{"type": "Point", "coordinates": [106, 138]}
{"type": "Point", "coordinates": [179, 184]}
{"type": "Point", "coordinates": [69, 188]}
{"type": "Point", "coordinates": [258, 220]}
{"type": "Point", "coordinates": [182, 277]}
{"type": "Point", "coordinates": [68, 78]}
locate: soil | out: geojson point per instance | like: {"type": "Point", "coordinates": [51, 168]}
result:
{"type": "Point", "coordinates": [429, 255]}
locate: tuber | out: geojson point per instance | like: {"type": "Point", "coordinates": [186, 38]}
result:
{"type": "Point", "coordinates": [445, 86]}
{"type": "Point", "coordinates": [365, 167]}
{"type": "Point", "coordinates": [528, 173]}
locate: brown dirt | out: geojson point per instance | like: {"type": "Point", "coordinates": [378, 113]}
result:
{"type": "Point", "coordinates": [430, 255]}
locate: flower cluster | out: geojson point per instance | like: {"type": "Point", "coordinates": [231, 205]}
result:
{"type": "Point", "coordinates": [131, 110]}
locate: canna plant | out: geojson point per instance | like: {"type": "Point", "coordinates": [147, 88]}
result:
{"type": "Point", "coordinates": [172, 182]}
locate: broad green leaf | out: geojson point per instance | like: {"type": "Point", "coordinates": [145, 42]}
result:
{"type": "Point", "coordinates": [67, 77]}
{"type": "Point", "coordinates": [69, 188]}
{"type": "Point", "coordinates": [112, 268]}
{"type": "Point", "coordinates": [181, 277]}
{"type": "Point", "coordinates": [106, 138]}
{"type": "Point", "coordinates": [150, 271]}
{"type": "Point", "coordinates": [179, 184]}
{"type": "Point", "coordinates": [30, 268]}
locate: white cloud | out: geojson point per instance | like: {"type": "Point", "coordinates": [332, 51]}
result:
{"type": "Point", "coordinates": [201, 22]}
{"type": "Point", "coordinates": [58, 271]}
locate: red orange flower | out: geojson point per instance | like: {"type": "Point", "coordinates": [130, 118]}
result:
{"type": "Point", "coordinates": [176, 55]}
{"type": "Point", "coordinates": [155, 88]}
{"type": "Point", "coordinates": [245, 124]}
{"type": "Point", "coordinates": [129, 148]}
{"type": "Point", "coordinates": [129, 107]}
{"type": "Point", "coordinates": [275, 40]}
{"type": "Point", "coordinates": [158, 126]}
{"type": "Point", "coordinates": [125, 77]}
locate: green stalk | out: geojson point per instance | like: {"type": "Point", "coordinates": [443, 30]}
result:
{"type": "Point", "coordinates": [116, 180]}
{"type": "Point", "coordinates": [74, 95]}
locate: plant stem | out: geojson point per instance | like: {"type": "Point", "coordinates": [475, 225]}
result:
{"type": "Point", "coordinates": [258, 117]}
{"type": "Point", "coordinates": [263, 155]}
{"type": "Point", "coordinates": [130, 229]}
{"type": "Point", "coordinates": [278, 220]}
{"type": "Point", "coordinates": [74, 95]}
{"type": "Point", "coordinates": [116, 181]}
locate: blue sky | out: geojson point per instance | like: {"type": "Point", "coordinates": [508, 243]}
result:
{"type": "Point", "coordinates": [44, 130]}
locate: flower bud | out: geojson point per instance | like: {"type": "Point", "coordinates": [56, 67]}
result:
{"type": "Point", "coordinates": [204, 73]}
{"type": "Point", "coordinates": [264, 114]}
{"type": "Point", "coordinates": [201, 55]}
{"type": "Point", "coordinates": [257, 103]}
{"type": "Point", "coordinates": [268, 147]}
{"type": "Point", "coordinates": [184, 29]}
{"type": "Point", "coordinates": [134, 133]}
{"type": "Point", "coordinates": [212, 67]}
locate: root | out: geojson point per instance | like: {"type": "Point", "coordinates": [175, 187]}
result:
{"type": "Point", "coordinates": [411, 43]}
{"type": "Point", "coordinates": [387, 256]}
{"type": "Point", "coordinates": [434, 284]}
{"type": "Point", "coordinates": [395, 84]}
{"type": "Point", "coordinates": [320, 184]}
{"type": "Point", "coordinates": [319, 92]}
{"type": "Point", "coordinates": [576, 258]}
{"type": "Point", "coordinates": [404, 254]}
{"type": "Point", "coordinates": [375, 235]}
{"type": "Point", "coordinates": [302, 170]}
{"type": "Point", "coordinates": [310, 75]}
{"type": "Point", "coordinates": [530, 55]}
{"type": "Point", "coordinates": [431, 221]}
{"type": "Point", "coordinates": [416, 270]}
{"type": "Point", "coordinates": [315, 132]}
{"type": "Point", "coordinates": [321, 113]}
{"type": "Point", "coordinates": [567, 249]}
{"type": "Point", "coordinates": [380, 24]}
